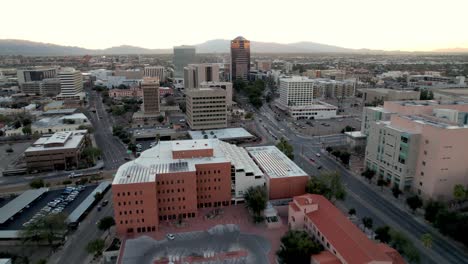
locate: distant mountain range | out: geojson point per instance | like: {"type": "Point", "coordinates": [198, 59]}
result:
{"type": "Point", "coordinates": [30, 48]}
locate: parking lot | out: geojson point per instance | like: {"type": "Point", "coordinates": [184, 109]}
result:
{"type": "Point", "coordinates": [42, 202]}
{"type": "Point", "coordinates": [325, 126]}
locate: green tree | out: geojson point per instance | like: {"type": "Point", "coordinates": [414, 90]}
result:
{"type": "Point", "coordinates": [329, 185]}
{"type": "Point", "coordinates": [367, 222]}
{"type": "Point", "coordinates": [49, 228]}
{"type": "Point", "coordinates": [98, 196]}
{"type": "Point", "coordinates": [27, 130]}
{"type": "Point", "coordinates": [286, 148]}
{"type": "Point", "coordinates": [249, 115]}
{"type": "Point", "coordinates": [256, 200]}
{"type": "Point", "coordinates": [37, 183]}
{"type": "Point", "coordinates": [90, 154]}
{"type": "Point", "coordinates": [132, 147]}
{"type": "Point", "coordinates": [381, 183]}
{"type": "Point", "coordinates": [383, 234]}
{"type": "Point", "coordinates": [396, 191]}
{"type": "Point", "coordinates": [95, 247]}
{"type": "Point", "coordinates": [345, 157]}
{"type": "Point", "coordinates": [459, 192]}
{"type": "Point", "coordinates": [426, 240]}
{"type": "Point", "coordinates": [432, 209]}
{"type": "Point", "coordinates": [368, 174]}
{"type": "Point", "coordinates": [414, 202]}
{"type": "Point", "coordinates": [297, 247]}
{"type": "Point", "coordinates": [85, 127]}
{"type": "Point", "coordinates": [239, 84]}
{"type": "Point", "coordinates": [160, 118]}
{"type": "Point", "coordinates": [404, 246]}
{"type": "Point", "coordinates": [106, 223]}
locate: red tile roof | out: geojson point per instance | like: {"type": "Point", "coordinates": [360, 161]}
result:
{"type": "Point", "coordinates": [325, 257]}
{"type": "Point", "coordinates": [350, 242]}
{"type": "Point", "coordinates": [392, 253]}
{"type": "Point", "coordinates": [294, 206]}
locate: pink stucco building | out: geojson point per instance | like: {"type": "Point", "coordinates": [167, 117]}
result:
{"type": "Point", "coordinates": [420, 146]}
{"type": "Point", "coordinates": [342, 240]}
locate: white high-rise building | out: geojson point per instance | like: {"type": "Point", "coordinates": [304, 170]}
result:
{"type": "Point", "coordinates": [71, 82]}
{"type": "Point", "coordinates": [298, 91]}
{"type": "Point", "coordinates": [155, 72]}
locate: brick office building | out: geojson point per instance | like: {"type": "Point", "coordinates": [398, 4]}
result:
{"type": "Point", "coordinates": [169, 182]}
{"type": "Point", "coordinates": [173, 179]}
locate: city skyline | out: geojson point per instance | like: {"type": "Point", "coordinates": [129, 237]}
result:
{"type": "Point", "coordinates": [356, 25]}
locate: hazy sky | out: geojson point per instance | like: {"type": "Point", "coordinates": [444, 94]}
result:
{"type": "Point", "coordinates": [374, 24]}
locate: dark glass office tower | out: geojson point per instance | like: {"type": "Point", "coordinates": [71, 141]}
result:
{"type": "Point", "coordinates": [240, 58]}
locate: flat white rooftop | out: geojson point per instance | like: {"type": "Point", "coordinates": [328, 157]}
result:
{"type": "Point", "coordinates": [223, 134]}
{"type": "Point", "coordinates": [274, 162]}
{"type": "Point", "coordinates": [200, 144]}
{"type": "Point", "coordinates": [67, 140]}
{"type": "Point", "coordinates": [159, 160]}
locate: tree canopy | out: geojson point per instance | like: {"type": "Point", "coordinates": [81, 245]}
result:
{"type": "Point", "coordinates": [327, 184]}
{"type": "Point", "coordinates": [95, 247]}
{"type": "Point", "coordinates": [286, 148]}
{"type": "Point", "coordinates": [47, 228]}
{"type": "Point", "coordinates": [256, 200]}
{"type": "Point", "coordinates": [297, 247]}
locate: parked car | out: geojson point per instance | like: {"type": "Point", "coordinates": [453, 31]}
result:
{"type": "Point", "coordinates": [170, 236]}
{"type": "Point", "coordinates": [104, 203]}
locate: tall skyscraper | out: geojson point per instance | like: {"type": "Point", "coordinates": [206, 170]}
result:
{"type": "Point", "coordinates": [150, 88]}
{"type": "Point", "coordinates": [71, 82]}
{"type": "Point", "coordinates": [183, 56]}
{"type": "Point", "coordinates": [194, 74]}
{"type": "Point", "coordinates": [240, 58]}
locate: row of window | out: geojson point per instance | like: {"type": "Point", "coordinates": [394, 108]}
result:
{"type": "Point", "coordinates": [130, 202]}
{"type": "Point", "coordinates": [143, 229]}
{"type": "Point", "coordinates": [208, 172]}
{"type": "Point", "coordinates": [130, 212]}
{"type": "Point", "coordinates": [214, 204]}
{"type": "Point", "coordinates": [138, 220]}
{"type": "Point", "coordinates": [169, 182]}
{"type": "Point", "coordinates": [163, 200]}
{"type": "Point", "coordinates": [161, 209]}
{"type": "Point", "coordinates": [163, 191]}
{"type": "Point", "coordinates": [174, 217]}
{"type": "Point", "coordinates": [129, 193]}
{"type": "Point", "coordinates": [209, 188]}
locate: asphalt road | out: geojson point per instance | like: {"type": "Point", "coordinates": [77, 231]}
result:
{"type": "Point", "coordinates": [364, 199]}
{"type": "Point", "coordinates": [113, 151]}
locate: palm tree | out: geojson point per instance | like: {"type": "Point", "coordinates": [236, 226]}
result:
{"type": "Point", "coordinates": [426, 240]}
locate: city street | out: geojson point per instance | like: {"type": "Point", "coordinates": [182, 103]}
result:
{"type": "Point", "coordinates": [365, 200]}
{"type": "Point", "coordinates": [113, 151]}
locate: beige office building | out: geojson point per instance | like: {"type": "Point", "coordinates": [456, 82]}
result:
{"type": "Point", "coordinates": [194, 74]}
{"type": "Point", "coordinates": [370, 96]}
{"type": "Point", "coordinates": [150, 88]}
{"type": "Point", "coordinates": [206, 108]}
{"type": "Point", "coordinates": [223, 85]}
{"type": "Point", "coordinates": [155, 72]}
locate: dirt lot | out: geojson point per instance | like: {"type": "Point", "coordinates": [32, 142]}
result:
{"type": "Point", "coordinates": [8, 159]}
